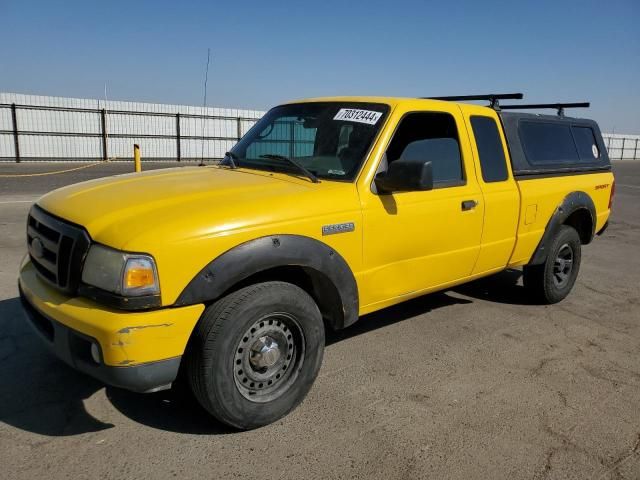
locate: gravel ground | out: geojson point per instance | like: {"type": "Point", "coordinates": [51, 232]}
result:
{"type": "Point", "coordinates": [473, 382]}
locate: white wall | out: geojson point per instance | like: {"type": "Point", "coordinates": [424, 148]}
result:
{"type": "Point", "coordinates": [622, 147]}
{"type": "Point", "coordinates": [80, 147]}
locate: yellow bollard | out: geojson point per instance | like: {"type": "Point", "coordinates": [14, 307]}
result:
{"type": "Point", "coordinates": [136, 158]}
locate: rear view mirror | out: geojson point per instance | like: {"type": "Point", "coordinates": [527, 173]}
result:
{"type": "Point", "coordinates": [414, 170]}
{"type": "Point", "coordinates": [266, 132]}
{"type": "Point", "coordinates": [405, 176]}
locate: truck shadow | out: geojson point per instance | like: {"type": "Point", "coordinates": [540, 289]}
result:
{"type": "Point", "coordinates": [392, 315]}
{"type": "Point", "coordinates": [504, 287]}
{"type": "Point", "coordinates": [40, 394]}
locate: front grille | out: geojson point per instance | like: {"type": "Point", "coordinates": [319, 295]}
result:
{"type": "Point", "coordinates": [56, 248]}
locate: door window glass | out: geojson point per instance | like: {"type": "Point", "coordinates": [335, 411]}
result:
{"type": "Point", "coordinates": [414, 140]}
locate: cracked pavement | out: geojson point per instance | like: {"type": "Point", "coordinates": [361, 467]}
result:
{"type": "Point", "coordinates": [474, 382]}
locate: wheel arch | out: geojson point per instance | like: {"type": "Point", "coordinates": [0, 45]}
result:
{"type": "Point", "coordinates": [577, 210]}
{"type": "Point", "coordinates": [308, 263]}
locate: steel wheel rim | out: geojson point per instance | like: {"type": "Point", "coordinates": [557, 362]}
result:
{"type": "Point", "coordinates": [563, 265]}
{"type": "Point", "coordinates": [268, 357]}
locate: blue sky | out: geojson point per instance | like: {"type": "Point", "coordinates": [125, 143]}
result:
{"type": "Point", "coordinates": [264, 53]}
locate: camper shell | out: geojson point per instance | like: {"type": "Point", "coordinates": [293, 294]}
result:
{"type": "Point", "coordinates": [547, 145]}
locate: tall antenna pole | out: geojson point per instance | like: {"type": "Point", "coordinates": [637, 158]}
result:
{"type": "Point", "coordinates": [204, 106]}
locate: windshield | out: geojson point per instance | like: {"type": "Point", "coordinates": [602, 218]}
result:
{"type": "Point", "coordinates": [330, 140]}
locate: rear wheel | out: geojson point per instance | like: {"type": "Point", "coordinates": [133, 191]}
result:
{"type": "Point", "coordinates": [255, 354]}
{"type": "Point", "coordinates": [552, 281]}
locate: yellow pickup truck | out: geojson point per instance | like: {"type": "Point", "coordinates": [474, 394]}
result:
{"type": "Point", "coordinates": [326, 210]}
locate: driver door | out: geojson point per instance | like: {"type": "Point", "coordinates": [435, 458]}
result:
{"type": "Point", "coordinates": [417, 241]}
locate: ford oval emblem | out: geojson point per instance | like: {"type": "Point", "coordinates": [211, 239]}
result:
{"type": "Point", "coordinates": [37, 248]}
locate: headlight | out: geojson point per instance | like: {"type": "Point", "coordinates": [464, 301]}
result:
{"type": "Point", "coordinates": [126, 274]}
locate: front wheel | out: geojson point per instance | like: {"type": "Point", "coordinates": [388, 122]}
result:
{"type": "Point", "coordinates": [255, 354]}
{"type": "Point", "coordinates": [552, 281]}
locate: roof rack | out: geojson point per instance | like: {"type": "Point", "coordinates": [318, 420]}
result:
{"type": "Point", "coordinates": [492, 98]}
{"type": "Point", "coordinates": [558, 106]}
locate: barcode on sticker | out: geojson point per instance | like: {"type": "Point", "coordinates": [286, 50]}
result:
{"type": "Point", "coordinates": [361, 116]}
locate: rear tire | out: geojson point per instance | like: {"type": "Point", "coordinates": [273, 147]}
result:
{"type": "Point", "coordinates": [552, 281]}
{"type": "Point", "coordinates": [255, 354]}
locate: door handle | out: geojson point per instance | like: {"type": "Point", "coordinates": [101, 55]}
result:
{"type": "Point", "coordinates": [469, 205]}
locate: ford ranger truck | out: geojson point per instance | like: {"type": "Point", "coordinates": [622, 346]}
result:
{"type": "Point", "coordinates": [326, 210]}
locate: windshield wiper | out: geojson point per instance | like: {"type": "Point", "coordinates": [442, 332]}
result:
{"type": "Point", "coordinates": [232, 158]}
{"type": "Point", "coordinates": [306, 172]}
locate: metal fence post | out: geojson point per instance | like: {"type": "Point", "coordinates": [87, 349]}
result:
{"type": "Point", "coordinates": [239, 128]}
{"type": "Point", "coordinates": [635, 150]}
{"type": "Point", "coordinates": [622, 149]}
{"type": "Point", "coordinates": [292, 147]}
{"type": "Point", "coordinates": [16, 143]}
{"type": "Point", "coordinates": [178, 153]}
{"type": "Point", "coordinates": [103, 123]}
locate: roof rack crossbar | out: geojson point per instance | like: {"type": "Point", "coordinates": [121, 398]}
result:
{"type": "Point", "coordinates": [557, 106]}
{"type": "Point", "coordinates": [492, 98]}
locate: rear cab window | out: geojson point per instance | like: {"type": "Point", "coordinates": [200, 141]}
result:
{"type": "Point", "coordinates": [493, 163]}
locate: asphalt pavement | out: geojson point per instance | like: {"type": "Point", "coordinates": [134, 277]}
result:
{"type": "Point", "coordinates": [474, 382]}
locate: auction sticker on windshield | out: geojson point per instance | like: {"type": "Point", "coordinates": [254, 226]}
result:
{"type": "Point", "coordinates": [361, 116]}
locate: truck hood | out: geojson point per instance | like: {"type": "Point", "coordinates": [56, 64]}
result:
{"type": "Point", "coordinates": [183, 203]}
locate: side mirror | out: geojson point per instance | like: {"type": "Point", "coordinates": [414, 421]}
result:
{"type": "Point", "coordinates": [405, 176]}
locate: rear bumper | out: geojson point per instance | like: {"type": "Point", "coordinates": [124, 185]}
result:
{"type": "Point", "coordinates": [138, 351]}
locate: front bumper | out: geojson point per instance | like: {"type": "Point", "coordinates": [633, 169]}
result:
{"type": "Point", "coordinates": [139, 351]}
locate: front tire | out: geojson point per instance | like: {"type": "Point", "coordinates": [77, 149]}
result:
{"type": "Point", "coordinates": [255, 354]}
{"type": "Point", "coordinates": [552, 281]}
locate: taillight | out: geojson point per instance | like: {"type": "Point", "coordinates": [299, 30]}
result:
{"type": "Point", "coordinates": [613, 191]}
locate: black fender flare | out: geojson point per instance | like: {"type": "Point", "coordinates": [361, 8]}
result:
{"type": "Point", "coordinates": [570, 204]}
{"type": "Point", "coordinates": [261, 254]}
